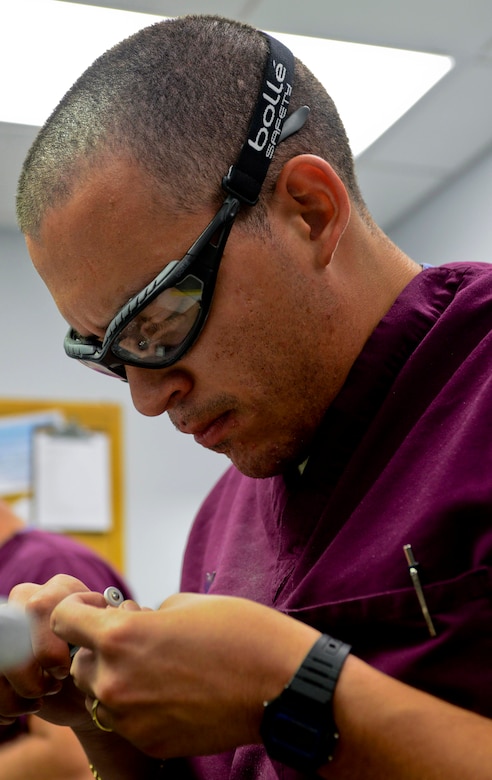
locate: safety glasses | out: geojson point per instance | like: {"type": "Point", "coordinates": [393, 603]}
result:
{"type": "Point", "coordinates": [158, 325]}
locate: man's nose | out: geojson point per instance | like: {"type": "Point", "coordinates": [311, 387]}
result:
{"type": "Point", "coordinates": [155, 391]}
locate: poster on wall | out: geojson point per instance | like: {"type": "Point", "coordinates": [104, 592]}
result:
{"type": "Point", "coordinates": [16, 432]}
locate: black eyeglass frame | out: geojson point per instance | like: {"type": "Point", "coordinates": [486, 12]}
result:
{"type": "Point", "coordinates": [203, 259]}
{"type": "Point", "coordinates": [243, 184]}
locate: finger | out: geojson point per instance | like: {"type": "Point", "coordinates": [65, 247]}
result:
{"type": "Point", "coordinates": [89, 598]}
{"type": "Point", "coordinates": [56, 588]}
{"type": "Point", "coordinates": [83, 670]}
{"type": "Point", "coordinates": [21, 593]}
{"type": "Point", "coordinates": [79, 618]}
{"type": "Point", "coordinates": [13, 705]}
{"type": "Point", "coordinates": [50, 652]}
{"type": "Point", "coordinates": [99, 714]}
{"type": "Point", "coordinates": [130, 606]}
{"type": "Point", "coordinates": [26, 677]}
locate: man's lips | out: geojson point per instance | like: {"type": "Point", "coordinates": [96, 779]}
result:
{"type": "Point", "coordinates": [210, 434]}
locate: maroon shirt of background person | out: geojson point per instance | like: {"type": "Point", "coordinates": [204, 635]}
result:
{"type": "Point", "coordinates": [32, 555]}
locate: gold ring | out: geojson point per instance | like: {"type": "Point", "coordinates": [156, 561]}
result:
{"type": "Point", "coordinates": [95, 705]}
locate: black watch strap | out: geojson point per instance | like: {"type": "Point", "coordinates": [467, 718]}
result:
{"type": "Point", "coordinates": [298, 728]}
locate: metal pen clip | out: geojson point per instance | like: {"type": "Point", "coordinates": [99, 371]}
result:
{"type": "Point", "coordinates": [414, 574]}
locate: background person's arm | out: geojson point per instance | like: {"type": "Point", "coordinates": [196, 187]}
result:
{"type": "Point", "coordinates": [44, 752]}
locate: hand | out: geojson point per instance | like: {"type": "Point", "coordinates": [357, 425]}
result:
{"type": "Point", "coordinates": [187, 679]}
{"type": "Point", "coordinates": [43, 684]}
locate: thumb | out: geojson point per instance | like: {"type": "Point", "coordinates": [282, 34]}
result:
{"type": "Point", "coordinates": [132, 606]}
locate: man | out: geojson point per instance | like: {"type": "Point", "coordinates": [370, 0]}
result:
{"type": "Point", "coordinates": [350, 389]}
{"type": "Point", "coordinates": [31, 746]}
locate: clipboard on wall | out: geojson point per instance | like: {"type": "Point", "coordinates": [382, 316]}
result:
{"type": "Point", "coordinates": [100, 420]}
{"type": "Point", "coordinates": [71, 471]}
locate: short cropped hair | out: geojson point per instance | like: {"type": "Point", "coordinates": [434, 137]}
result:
{"type": "Point", "coordinates": [176, 98]}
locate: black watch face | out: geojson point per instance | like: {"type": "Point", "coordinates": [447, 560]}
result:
{"type": "Point", "coordinates": [291, 734]}
{"type": "Point", "coordinates": [298, 728]}
{"type": "Point", "coordinates": [295, 740]}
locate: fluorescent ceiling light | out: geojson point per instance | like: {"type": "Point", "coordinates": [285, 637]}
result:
{"type": "Point", "coordinates": [47, 44]}
{"type": "Point", "coordinates": [372, 86]}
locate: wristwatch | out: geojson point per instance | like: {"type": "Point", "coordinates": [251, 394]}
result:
{"type": "Point", "coordinates": [298, 728]}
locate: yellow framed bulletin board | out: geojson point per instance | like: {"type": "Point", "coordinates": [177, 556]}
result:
{"type": "Point", "coordinates": [68, 437]}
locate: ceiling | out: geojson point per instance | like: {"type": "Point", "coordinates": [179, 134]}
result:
{"type": "Point", "coordinates": [436, 141]}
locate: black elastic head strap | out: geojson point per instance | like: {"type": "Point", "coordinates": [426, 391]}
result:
{"type": "Point", "coordinates": [269, 125]}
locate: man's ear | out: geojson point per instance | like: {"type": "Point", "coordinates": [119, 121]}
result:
{"type": "Point", "coordinates": [309, 192]}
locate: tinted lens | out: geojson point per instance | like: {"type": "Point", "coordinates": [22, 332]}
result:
{"type": "Point", "coordinates": [116, 369]}
{"type": "Point", "coordinates": [158, 331]}
{"type": "Point", "coordinates": [88, 352]}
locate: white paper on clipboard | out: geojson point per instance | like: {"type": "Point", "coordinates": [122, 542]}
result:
{"type": "Point", "coordinates": [71, 480]}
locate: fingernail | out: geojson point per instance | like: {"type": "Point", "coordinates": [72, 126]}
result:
{"type": "Point", "coordinates": [59, 672]}
{"type": "Point", "coordinates": [54, 691]}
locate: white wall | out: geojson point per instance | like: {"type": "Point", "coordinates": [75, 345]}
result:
{"type": "Point", "coordinates": [167, 474]}
{"type": "Point", "coordinates": [455, 225]}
